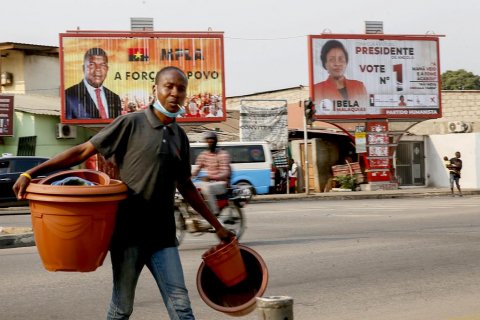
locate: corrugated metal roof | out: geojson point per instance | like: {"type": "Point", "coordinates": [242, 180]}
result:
{"type": "Point", "coordinates": [27, 46]}
{"type": "Point", "coordinates": [46, 105]}
{"type": "Point", "coordinates": [227, 131]}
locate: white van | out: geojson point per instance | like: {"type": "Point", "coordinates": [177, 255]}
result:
{"type": "Point", "coordinates": [252, 163]}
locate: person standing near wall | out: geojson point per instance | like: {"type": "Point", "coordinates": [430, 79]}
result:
{"type": "Point", "coordinates": [455, 167]}
{"type": "Point", "coordinates": [292, 175]}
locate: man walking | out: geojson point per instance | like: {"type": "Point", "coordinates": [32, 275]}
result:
{"type": "Point", "coordinates": [153, 155]}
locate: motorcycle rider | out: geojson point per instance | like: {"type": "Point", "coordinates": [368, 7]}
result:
{"type": "Point", "coordinates": [216, 165]}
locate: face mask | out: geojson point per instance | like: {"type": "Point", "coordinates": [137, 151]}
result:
{"type": "Point", "coordinates": [157, 105]}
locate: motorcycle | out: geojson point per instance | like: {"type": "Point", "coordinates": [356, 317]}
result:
{"type": "Point", "coordinates": [281, 176]}
{"type": "Point", "coordinates": [230, 214]}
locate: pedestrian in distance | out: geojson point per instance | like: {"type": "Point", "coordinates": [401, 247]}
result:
{"type": "Point", "coordinates": [292, 175]}
{"type": "Point", "coordinates": [90, 99]}
{"type": "Point", "coordinates": [152, 153]}
{"type": "Point", "coordinates": [455, 168]}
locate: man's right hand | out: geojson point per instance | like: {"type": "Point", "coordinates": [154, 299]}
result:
{"type": "Point", "coordinates": [20, 187]}
{"type": "Point", "coordinates": [225, 235]}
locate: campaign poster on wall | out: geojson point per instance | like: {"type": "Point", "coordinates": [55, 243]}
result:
{"type": "Point", "coordinates": [105, 75]}
{"type": "Point", "coordinates": [265, 124]}
{"type": "Point", "coordinates": [374, 76]}
{"type": "Point", "coordinates": [6, 115]}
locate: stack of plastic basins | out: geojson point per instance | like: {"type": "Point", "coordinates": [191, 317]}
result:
{"type": "Point", "coordinates": [73, 224]}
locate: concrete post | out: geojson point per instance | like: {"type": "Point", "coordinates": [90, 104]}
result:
{"type": "Point", "coordinates": [275, 308]}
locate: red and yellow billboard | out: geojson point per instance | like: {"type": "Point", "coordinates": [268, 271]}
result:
{"type": "Point", "coordinates": [374, 76]}
{"type": "Point", "coordinates": [125, 67]}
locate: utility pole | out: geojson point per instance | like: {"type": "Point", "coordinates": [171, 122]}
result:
{"type": "Point", "coordinates": [307, 119]}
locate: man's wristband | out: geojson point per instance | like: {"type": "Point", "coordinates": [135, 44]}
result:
{"type": "Point", "coordinates": [26, 175]}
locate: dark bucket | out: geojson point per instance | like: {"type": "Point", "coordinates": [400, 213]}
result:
{"type": "Point", "coordinates": [236, 300]}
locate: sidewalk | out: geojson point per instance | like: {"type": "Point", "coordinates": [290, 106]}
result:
{"type": "Point", "coordinates": [410, 192]}
{"type": "Point", "coordinates": [23, 239]}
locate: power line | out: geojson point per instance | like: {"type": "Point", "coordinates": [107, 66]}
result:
{"type": "Point", "coordinates": [266, 39]}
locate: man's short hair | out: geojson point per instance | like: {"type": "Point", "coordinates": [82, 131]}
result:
{"type": "Point", "coordinates": [169, 68]}
{"type": "Point", "coordinates": [329, 45]}
{"type": "Point", "coordinates": [95, 52]}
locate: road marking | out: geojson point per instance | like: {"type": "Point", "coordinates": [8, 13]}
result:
{"type": "Point", "coordinates": [472, 317]}
{"type": "Point", "coordinates": [380, 207]}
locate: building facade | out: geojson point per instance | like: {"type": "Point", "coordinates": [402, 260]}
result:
{"type": "Point", "coordinates": [31, 73]}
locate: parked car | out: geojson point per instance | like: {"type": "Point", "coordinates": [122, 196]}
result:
{"type": "Point", "coordinates": [10, 169]}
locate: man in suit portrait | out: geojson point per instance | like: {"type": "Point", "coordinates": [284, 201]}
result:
{"type": "Point", "coordinates": [89, 99]}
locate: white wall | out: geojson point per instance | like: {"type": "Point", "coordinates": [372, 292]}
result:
{"type": "Point", "coordinates": [42, 75]}
{"type": "Point", "coordinates": [13, 63]}
{"type": "Point", "coordinates": [438, 146]}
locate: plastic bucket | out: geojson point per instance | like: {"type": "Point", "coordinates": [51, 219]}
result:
{"type": "Point", "coordinates": [240, 299]}
{"type": "Point", "coordinates": [73, 225]}
{"type": "Point", "coordinates": [73, 236]}
{"type": "Point", "coordinates": [226, 262]}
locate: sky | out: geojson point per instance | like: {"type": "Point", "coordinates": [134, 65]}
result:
{"type": "Point", "coordinates": [265, 40]}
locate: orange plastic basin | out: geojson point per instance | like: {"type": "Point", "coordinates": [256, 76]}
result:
{"type": "Point", "coordinates": [73, 225]}
{"type": "Point", "coordinates": [240, 299]}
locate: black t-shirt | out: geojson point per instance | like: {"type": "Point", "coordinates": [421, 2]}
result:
{"type": "Point", "coordinates": [150, 157]}
{"type": "Point", "coordinates": [457, 168]}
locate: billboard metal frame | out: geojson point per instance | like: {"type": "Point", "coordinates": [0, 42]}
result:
{"type": "Point", "coordinates": [141, 35]}
{"type": "Point", "coordinates": [380, 37]}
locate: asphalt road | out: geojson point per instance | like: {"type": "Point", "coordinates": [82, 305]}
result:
{"type": "Point", "coordinates": [357, 259]}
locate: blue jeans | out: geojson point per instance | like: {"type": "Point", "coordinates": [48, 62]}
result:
{"type": "Point", "coordinates": [165, 267]}
{"type": "Point", "coordinates": [454, 178]}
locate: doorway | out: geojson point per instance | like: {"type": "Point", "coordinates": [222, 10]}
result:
{"type": "Point", "coordinates": [410, 160]}
{"type": "Point", "coordinates": [311, 178]}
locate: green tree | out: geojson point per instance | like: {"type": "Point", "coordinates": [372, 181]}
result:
{"type": "Point", "coordinates": [460, 80]}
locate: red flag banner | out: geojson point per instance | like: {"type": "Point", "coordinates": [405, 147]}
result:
{"type": "Point", "coordinates": [138, 54]}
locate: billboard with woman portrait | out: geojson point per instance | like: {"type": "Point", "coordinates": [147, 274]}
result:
{"type": "Point", "coordinates": [374, 76]}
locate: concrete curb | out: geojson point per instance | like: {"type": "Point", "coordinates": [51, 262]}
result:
{"type": "Point", "coordinates": [17, 240]}
{"type": "Point", "coordinates": [358, 195]}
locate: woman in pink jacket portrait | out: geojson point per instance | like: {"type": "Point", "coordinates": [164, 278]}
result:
{"type": "Point", "coordinates": [337, 87]}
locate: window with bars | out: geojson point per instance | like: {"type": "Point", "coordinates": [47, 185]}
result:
{"type": "Point", "coordinates": [27, 146]}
